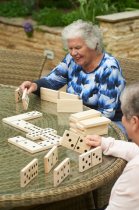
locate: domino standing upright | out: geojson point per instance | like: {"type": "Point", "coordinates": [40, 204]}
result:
{"type": "Point", "coordinates": [90, 159]}
{"type": "Point", "coordinates": [50, 159]}
{"type": "Point", "coordinates": [29, 172]}
{"type": "Point", "coordinates": [25, 99]}
{"type": "Point", "coordinates": [18, 95]}
{"type": "Point", "coordinates": [61, 171]}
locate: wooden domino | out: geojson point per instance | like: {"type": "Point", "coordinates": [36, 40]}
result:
{"type": "Point", "coordinates": [18, 95]}
{"type": "Point", "coordinates": [29, 172]}
{"type": "Point", "coordinates": [90, 159]}
{"type": "Point", "coordinates": [74, 142]}
{"type": "Point", "coordinates": [85, 161]}
{"type": "Point", "coordinates": [84, 115]}
{"type": "Point", "coordinates": [68, 105]}
{"type": "Point", "coordinates": [64, 95]}
{"type": "Point", "coordinates": [26, 144]}
{"type": "Point", "coordinates": [69, 139]}
{"type": "Point", "coordinates": [25, 99]}
{"type": "Point", "coordinates": [97, 130]}
{"type": "Point", "coordinates": [93, 122]}
{"type": "Point", "coordinates": [97, 125]}
{"type": "Point", "coordinates": [61, 171]}
{"type": "Point", "coordinates": [50, 159]}
{"type": "Point", "coordinates": [30, 146]}
{"type": "Point", "coordinates": [25, 116]}
{"type": "Point", "coordinates": [49, 95]}
{"type": "Point", "coordinates": [96, 156]}
{"type": "Point", "coordinates": [40, 133]}
{"type": "Point", "coordinates": [23, 125]}
{"type": "Point", "coordinates": [81, 146]}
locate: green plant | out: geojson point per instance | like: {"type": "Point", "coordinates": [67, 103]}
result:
{"type": "Point", "coordinates": [126, 5]}
{"type": "Point", "coordinates": [14, 8]}
{"type": "Point", "coordinates": [91, 8]}
{"type": "Point", "coordinates": [71, 16]}
{"type": "Point", "coordinates": [49, 17]}
{"type": "Point", "coordinates": [61, 12]}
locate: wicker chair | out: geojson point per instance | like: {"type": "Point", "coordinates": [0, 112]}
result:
{"type": "Point", "coordinates": [17, 66]}
{"type": "Point", "coordinates": [130, 68]}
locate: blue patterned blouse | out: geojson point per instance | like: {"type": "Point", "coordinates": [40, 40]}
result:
{"type": "Point", "coordinates": [99, 89]}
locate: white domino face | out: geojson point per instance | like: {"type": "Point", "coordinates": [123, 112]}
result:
{"type": "Point", "coordinates": [52, 137]}
{"type": "Point", "coordinates": [81, 146]}
{"type": "Point", "coordinates": [47, 144]}
{"type": "Point", "coordinates": [69, 139]}
{"type": "Point", "coordinates": [50, 134]}
{"type": "Point", "coordinates": [40, 133]}
{"type": "Point", "coordinates": [85, 161]}
{"type": "Point", "coordinates": [34, 135]}
{"type": "Point", "coordinates": [26, 144]}
{"type": "Point", "coordinates": [23, 125]}
{"type": "Point", "coordinates": [29, 172]}
{"type": "Point", "coordinates": [74, 142]}
{"type": "Point", "coordinates": [50, 159]}
{"type": "Point", "coordinates": [24, 116]}
{"type": "Point", "coordinates": [96, 156]}
{"type": "Point", "coordinates": [90, 159]}
{"type": "Point", "coordinates": [61, 171]}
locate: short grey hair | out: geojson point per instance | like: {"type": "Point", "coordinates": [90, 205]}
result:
{"type": "Point", "coordinates": [90, 33]}
{"type": "Point", "coordinates": [130, 101]}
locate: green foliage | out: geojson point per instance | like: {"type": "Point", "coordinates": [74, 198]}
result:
{"type": "Point", "coordinates": [89, 9]}
{"type": "Point", "coordinates": [92, 8]}
{"type": "Point", "coordinates": [61, 12]}
{"type": "Point", "coordinates": [71, 16]}
{"type": "Point", "coordinates": [49, 17]}
{"type": "Point", "coordinates": [56, 3]}
{"type": "Point", "coordinates": [14, 8]}
{"type": "Point", "coordinates": [126, 5]}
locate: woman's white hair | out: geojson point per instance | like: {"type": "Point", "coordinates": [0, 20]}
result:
{"type": "Point", "coordinates": [85, 30]}
{"type": "Point", "coordinates": [130, 101]}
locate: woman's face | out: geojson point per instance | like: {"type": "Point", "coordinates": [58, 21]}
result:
{"type": "Point", "coordinates": [80, 52]}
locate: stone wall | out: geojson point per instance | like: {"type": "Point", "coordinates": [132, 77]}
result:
{"type": "Point", "coordinates": [13, 36]}
{"type": "Point", "coordinates": [121, 33]}
{"type": "Point", "coordinates": [120, 36]}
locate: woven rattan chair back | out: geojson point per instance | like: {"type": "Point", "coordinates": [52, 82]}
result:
{"type": "Point", "coordinates": [130, 68]}
{"type": "Point", "coordinates": [17, 66]}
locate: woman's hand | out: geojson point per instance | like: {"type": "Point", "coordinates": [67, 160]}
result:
{"type": "Point", "coordinates": [31, 87]}
{"type": "Point", "coordinates": [93, 140]}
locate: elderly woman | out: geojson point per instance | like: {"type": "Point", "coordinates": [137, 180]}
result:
{"type": "Point", "coordinates": [88, 71]}
{"type": "Point", "coordinates": [125, 193]}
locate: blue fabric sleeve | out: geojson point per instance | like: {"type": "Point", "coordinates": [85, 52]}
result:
{"type": "Point", "coordinates": [55, 80]}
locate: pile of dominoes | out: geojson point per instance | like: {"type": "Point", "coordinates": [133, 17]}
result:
{"type": "Point", "coordinates": [63, 100]}
{"type": "Point", "coordinates": [38, 139]}
{"type": "Point", "coordinates": [45, 139]}
{"type": "Point", "coordinates": [89, 122]}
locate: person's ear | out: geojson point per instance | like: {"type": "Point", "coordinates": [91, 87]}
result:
{"type": "Point", "coordinates": [135, 123]}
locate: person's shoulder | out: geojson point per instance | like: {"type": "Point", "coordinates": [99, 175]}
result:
{"type": "Point", "coordinates": [110, 60]}
{"type": "Point", "coordinates": [67, 59]}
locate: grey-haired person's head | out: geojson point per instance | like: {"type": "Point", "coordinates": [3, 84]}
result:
{"type": "Point", "coordinates": [130, 101]}
{"type": "Point", "coordinates": [90, 33]}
